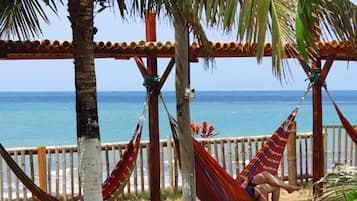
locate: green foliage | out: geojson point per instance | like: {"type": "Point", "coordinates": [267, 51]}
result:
{"type": "Point", "coordinates": [21, 19]}
{"type": "Point", "coordinates": [340, 186]}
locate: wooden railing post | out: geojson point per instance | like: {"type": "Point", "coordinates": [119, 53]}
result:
{"type": "Point", "coordinates": [41, 159]}
{"type": "Point", "coordinates": [292, 172]}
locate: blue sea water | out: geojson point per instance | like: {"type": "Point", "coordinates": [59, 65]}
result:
{"type": "Point", "coordinates": [48, 118]}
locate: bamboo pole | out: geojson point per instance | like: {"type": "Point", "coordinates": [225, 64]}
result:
{"type": "Point", "coordinates": [169, 160]}
{"type": "Point", "coordinates": [229, 152]}
{"type": "Point", "coordinates": [325, 139]}
{"type": "Point", "coordinates": [301, 158]}
{"type": "Point", "coordinates": [333, 147]}
{"type": "Point", "coordinates": [79, 183]}
{"type": "Point", "coordinates": [147, 161]}
{"type": "Point", "coordinates": [282, 167]}
{"type": "Point", "coordinates": [32, 171]}
{"type": "Point", "coordinates": [250, 156]}
{"type": "Point", "coordinates": [306, 161]}
{"type": "Point", "coordinates": [223, 158]}
{"type": "Point", "coordinates": [215, 146]}
{"type": "Point", "coordinates": [71, 164]}
{"type": "Point", "coordinates": [113, 156]}
{"type": "Point", "coordinates": [64, 175]}
{"type": "Point", "coordinates": [243, 153]}
{"type": "Point", "coordinates": [8, 180]}
{"type": "Point", "coordinates": [23, 166]}
{"type": "Point", "coordinates": [141, 168]}
{"type": "Point", "coordinates": [49, 168]}
{"type": "Point", "coordinates": [136, 178]}
{"type": "Point", "coordinates": [292, 171]}
{"type": "Point", "coordinates": [351, 153]}
{"type": "Point", "coordinates": [236, 156]}
{"type": "Point", "coordinates": [41, 159]}
{"type": "Point", "coordinates": [176, 172]}
{"type": "Point", "coordinates": [57, 171]}
{"type": "Point", "coordinates": [162, 171]}
{"type": "Point", "coordinates": [107, 165]}
{"type": "Point", "coordinates": [17, 193]}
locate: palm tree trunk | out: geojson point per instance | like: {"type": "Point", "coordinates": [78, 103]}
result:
{"type": "Point", "coordinates": [183, 110]}
{"type": "Point", "coordinates": [88, 138]}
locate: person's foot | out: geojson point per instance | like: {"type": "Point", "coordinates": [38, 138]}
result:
{"type": "Point", "coordinates": [291, 189]}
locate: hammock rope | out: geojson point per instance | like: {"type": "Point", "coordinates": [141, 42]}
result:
{"type": "Point", "coordinates": [112, 186]}
{"type": "Point", "coordinates": [345, 123]}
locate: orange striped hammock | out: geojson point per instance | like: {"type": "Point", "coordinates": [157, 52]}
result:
{"type": "Point", "coordinates": [213, 183]}
{"type": "Point", "coordinates": [111, 187]}
{"type": "Point", "coordinates": [345, 123]}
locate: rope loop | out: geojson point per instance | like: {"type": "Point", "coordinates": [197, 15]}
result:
{"type": "Point", "coordinates": [315, 75]}
{"type": "Point", "coordinates": [151, 82]}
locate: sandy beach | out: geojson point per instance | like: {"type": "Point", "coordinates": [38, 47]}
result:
{"type": "Point", "coordinates": [301, 195]}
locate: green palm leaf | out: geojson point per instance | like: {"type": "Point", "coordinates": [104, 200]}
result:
{"type": "Point", "coordinates": [21, 19]}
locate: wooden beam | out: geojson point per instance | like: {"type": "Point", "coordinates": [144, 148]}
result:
{"type": "Point", "coordinates": [317, 148]}
{"type": "Point", "coordinates": [326, 70]}
{"type": "Point", "coordinates": [154, 155]}
{"type": "Point", "coordinates": [125, 50]}
{"type": "Point", "coordinates": [141, 65]}
{"type": "Point", "coordinates": [166, 73]}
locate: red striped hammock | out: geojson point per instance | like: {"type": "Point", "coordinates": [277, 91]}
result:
{"type": "Point", "coordinates": [213, 183]}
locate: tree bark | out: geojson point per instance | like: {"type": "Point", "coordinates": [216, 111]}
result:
{"type": "Point", "coordinates": [183, 110]}
{"type": "Point", "coordinates": [88, 137]}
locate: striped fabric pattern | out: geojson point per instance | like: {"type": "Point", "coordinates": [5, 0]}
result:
{"type": "Point", "coordinates": [269, 156]}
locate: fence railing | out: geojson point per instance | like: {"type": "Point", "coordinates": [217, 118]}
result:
{"type": "Point", "coordinates": [55, 168]}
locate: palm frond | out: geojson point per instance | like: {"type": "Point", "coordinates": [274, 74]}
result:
{"type": "Point", "coordinates": [283, 13]}
{"type": "Point", "coordinates": [340, 186]}
{"type": "Point", "coordinates": [255, 18]}
{"type": "Point", "coordinates": [21, 19]}
{"type": "Point", "coordinates": [338, 19]}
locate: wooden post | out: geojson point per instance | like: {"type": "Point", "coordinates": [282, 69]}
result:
{"type": "Point", "coordinates": [154, 165]}
{"type": "Point", "coordinates": [317, 148]}
{"type": "Point", "coordinates": [292, 171]}
{"type": "Point", "coordinates": [42, 172]}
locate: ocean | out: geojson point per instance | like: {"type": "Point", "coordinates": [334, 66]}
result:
{"type": "Point", "coordinates": [48, 118]}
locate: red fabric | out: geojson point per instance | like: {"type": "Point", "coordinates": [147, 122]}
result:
{"type": "Point", "coordinates": [118, 177]}
{"type": "Point", "coordinates": [346, 124]}
{"type": "Point", "coordinates": [269, 156]}
{"type": "Point", "coordinates": [213, 183]}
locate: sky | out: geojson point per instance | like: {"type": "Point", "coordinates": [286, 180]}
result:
{"type": "Point", "coordinates": [123, 75]}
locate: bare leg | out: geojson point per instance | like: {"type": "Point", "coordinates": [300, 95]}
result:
{"type": "Point", "coordinates": [275, 190]}
{"type": "Point", "coordinates": [266, 177]}
{"type": "Point", "coordinates": [275, 194]}
{"type": "Point", "coordinates": [260, 194]}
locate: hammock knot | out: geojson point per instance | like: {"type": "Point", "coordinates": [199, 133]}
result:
{"type": "Point", "coordinates": [151, 82]}
{"type": "Point", "coordinates": [315, 75]}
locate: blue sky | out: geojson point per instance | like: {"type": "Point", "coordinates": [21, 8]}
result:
{"type": "Point", "coordinates": [123, 75]}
